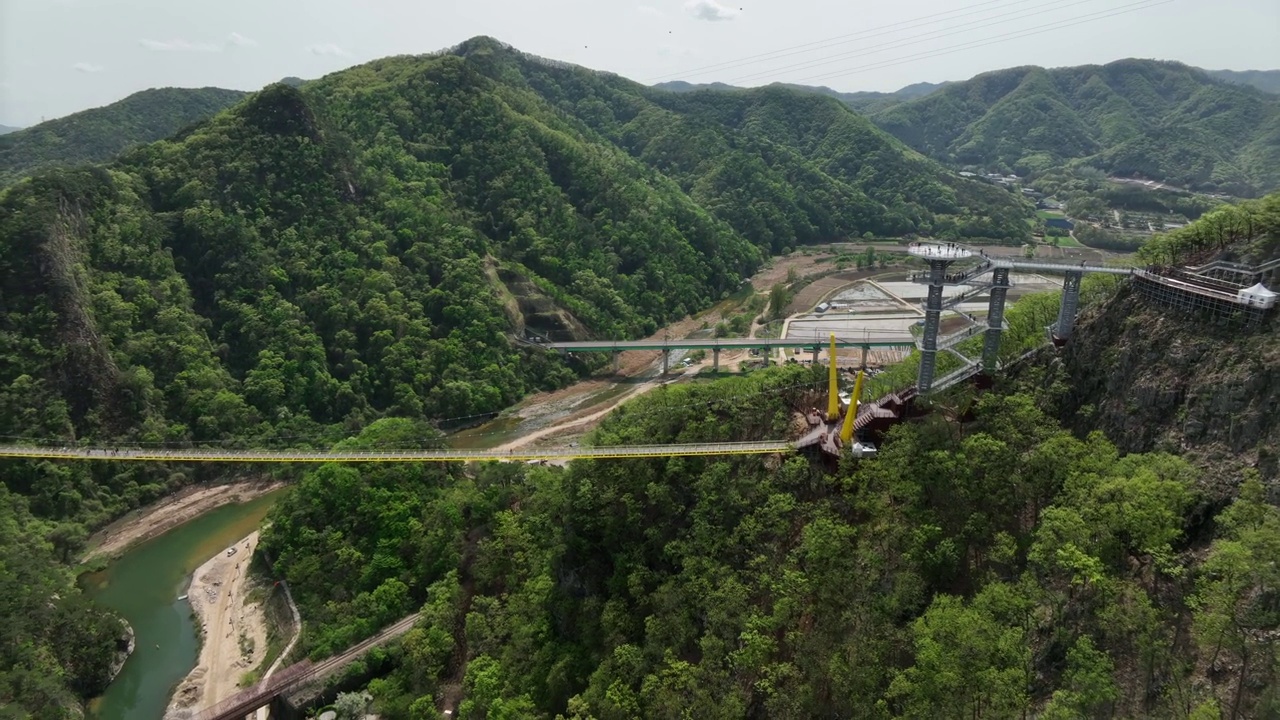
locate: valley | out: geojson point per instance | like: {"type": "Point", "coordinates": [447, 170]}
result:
{"type": "Point", "coordinates": [258, 360]}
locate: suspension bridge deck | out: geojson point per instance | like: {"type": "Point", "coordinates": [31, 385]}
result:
{"type": "Point", "coordinates": [124, 454]}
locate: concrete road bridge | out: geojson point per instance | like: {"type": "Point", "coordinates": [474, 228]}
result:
{"type": "Point", "coordinates": [866, 340]}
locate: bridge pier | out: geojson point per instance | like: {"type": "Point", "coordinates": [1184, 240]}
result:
{"type": "Point", "coordinates": [865, 350]}
{"type": "Point", "coordinates": [616, 356]}
{"type": "Point", "coordinates": [995, 320]}
{"type": "Point", "coordinates": [1070, 302]}
{"type": "Point", "coordinates": [666, 361]}
{"type": "Point", "coordinates": [940, 256]}
{"type": "Point", "coordinates": [715, 359]}
{"type": "Point", "coordinates": [816, 349]}
{"type": "Point", "coordinates": [765, 352]}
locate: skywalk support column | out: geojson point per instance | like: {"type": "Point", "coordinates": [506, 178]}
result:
{"type": "Point", "coordinates": [995, 320]}
{"type": "Point", "coordinates": [932, 320]}
{"type": "Point", "coordinates": [940, 256]}
{"type": "Point", "coordinates": [1070, 302]}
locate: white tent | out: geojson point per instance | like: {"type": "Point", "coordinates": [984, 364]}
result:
{"type": "Point", "coordinates": [1257, 296]}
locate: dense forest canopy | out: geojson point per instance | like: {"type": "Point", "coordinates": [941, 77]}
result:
{"type": "Point", "coordinates": [986, 568]}
{"type": "Point", "coordinates": [100, 134]}
{"type": "Point", "coordinates": [1159, 120]}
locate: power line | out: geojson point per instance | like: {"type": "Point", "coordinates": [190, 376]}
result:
{"type": "Point", "coordinates": [797, 49]}
{"type": "Point", "coordinates": [1079, 20]}
{"type": "Point", "coordinates": [982, 23]}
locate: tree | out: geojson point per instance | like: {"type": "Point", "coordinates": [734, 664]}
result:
{"type": "Point", "coordinates": [778, 299]}
{"type": "Point", "coordinates": [1088, 689]}
{"type": "Point", "coordinates": [1234, 600]}
{"type": "Point", "coordinates": [350, 705]}
{"type": "Point", "coordinates": [969, 663]}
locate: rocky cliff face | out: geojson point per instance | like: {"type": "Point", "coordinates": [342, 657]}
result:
{"type": "Point", "coordinates": [1153, 379]}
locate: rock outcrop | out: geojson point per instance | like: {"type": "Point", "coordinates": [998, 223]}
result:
{"type": "Point", "coordinates": [1154, 380]}
{"type": "Point", "coordinates": [124, 648]}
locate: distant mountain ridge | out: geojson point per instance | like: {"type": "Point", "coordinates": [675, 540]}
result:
{"type": "Point", "coordinates": [99, 134]}
{"type": "Point", "coordinates": [6, 129]}
{"type": "Point", "coordinates": [1264, 80]}
{"type": "Point", "coordinates": [862, 101]}
{"type": "Point", "coordinates": [1158, 120]}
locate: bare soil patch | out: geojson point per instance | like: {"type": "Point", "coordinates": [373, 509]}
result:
{"type": "Point", "coordinates": [234, 630]}
{"type": "Point", "coordinates": [174, 510]}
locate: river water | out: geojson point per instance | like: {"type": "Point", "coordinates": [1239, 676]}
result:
{"type": "Point", "coordinates": [144, 586]}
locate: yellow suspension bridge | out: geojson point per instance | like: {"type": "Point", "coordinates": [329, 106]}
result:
{"type": "Point", "coordinates": [390, 456]}
{"type": "Point", "coordinates": [836, 432]}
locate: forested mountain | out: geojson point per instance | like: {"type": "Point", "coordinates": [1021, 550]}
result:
{"type": "Point", "coordinates": [1264, 80]}
{"type": "Point", "coordinates": [989, 563]}
{"type": "Point", "coordinates": [862, 101]}
{"type": "Point", "coordinates": [1158, 120]}
{"type": "Point", "coordinates": [317, 258]}
{"type": "Point", "coordinates": [366, 243]}
{"type": "Point", "coordinates": [102, 133]}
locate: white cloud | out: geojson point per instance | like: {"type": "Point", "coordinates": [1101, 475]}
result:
{"type": "Point", "coordinates": [328, 49]}
{"type": "Point", "coordinates": [650, 11]}
{"type": "Point", "coordinates": [85, 67]}
{"type": "Point", "coordinates": [179, 45]}
{"type": "Point", "coordinates": [236, 38]}
{"type": "Point", "coordinates": [709, 10]}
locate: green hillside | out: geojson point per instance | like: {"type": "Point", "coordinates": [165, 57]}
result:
{"type": "Point", "coordinates": [102, 133]}
{"type": "Point", "coordinates": [365, 245]}
{"type": "Point", "coordinates": [1157, 120]}
{"type": "Point", "coordinates": [999, 558]}
{"type": "Point", "coordinates": [316, 259]}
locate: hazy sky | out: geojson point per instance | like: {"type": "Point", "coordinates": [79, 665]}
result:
{"type": "Point", "coordinates": [60, 56]}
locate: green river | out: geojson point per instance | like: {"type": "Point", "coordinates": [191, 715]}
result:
{"type": "Point", "coordinates": [144, 586]}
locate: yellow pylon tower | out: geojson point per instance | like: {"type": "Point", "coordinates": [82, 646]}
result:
{"type": "Point", "coordinates": [846, 432]}
{"type": "Point", "coordinates": [833, 384]}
